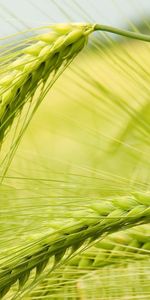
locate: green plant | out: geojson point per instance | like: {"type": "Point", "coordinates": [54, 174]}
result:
{"type": "Point", "coordinates": [78, 227]}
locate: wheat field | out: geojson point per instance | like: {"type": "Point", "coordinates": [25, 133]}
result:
{"type": "Point", "coordinates": [74, 192]}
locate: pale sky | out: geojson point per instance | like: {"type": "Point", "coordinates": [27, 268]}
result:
{"type": "Point", "coordinates": [16, 15]}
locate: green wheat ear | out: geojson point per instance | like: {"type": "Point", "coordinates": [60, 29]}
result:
{"type": "Point", "coordinates": [115, 249]}
{"type": "Point", "coordinates": [97, 220]}
{"type": "Point", "coordinates": [45, 54]}
{"type": "Point", "coordinates": [33, 65]}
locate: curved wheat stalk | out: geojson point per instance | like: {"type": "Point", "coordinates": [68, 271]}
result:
{"type": "Point", "coordinates": [97, 221]}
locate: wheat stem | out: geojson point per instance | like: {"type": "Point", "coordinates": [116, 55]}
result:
{"type": "Point", "coordinates": [126, 33]}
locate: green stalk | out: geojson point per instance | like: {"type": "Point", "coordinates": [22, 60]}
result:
{"type": "Point", "coordinates": [126, 33]}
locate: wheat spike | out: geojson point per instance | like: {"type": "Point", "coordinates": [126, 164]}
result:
{"type": "Point", "coordinates": [37, 61]}
{"type": "Point", "coordinates": [34, 64]}
{"type": "Point", "coordinates": [114, 249]}
{"type": "Point", "coordinates": [97, 221]}
{"type": "Point", "coordinates": [119, 248]}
